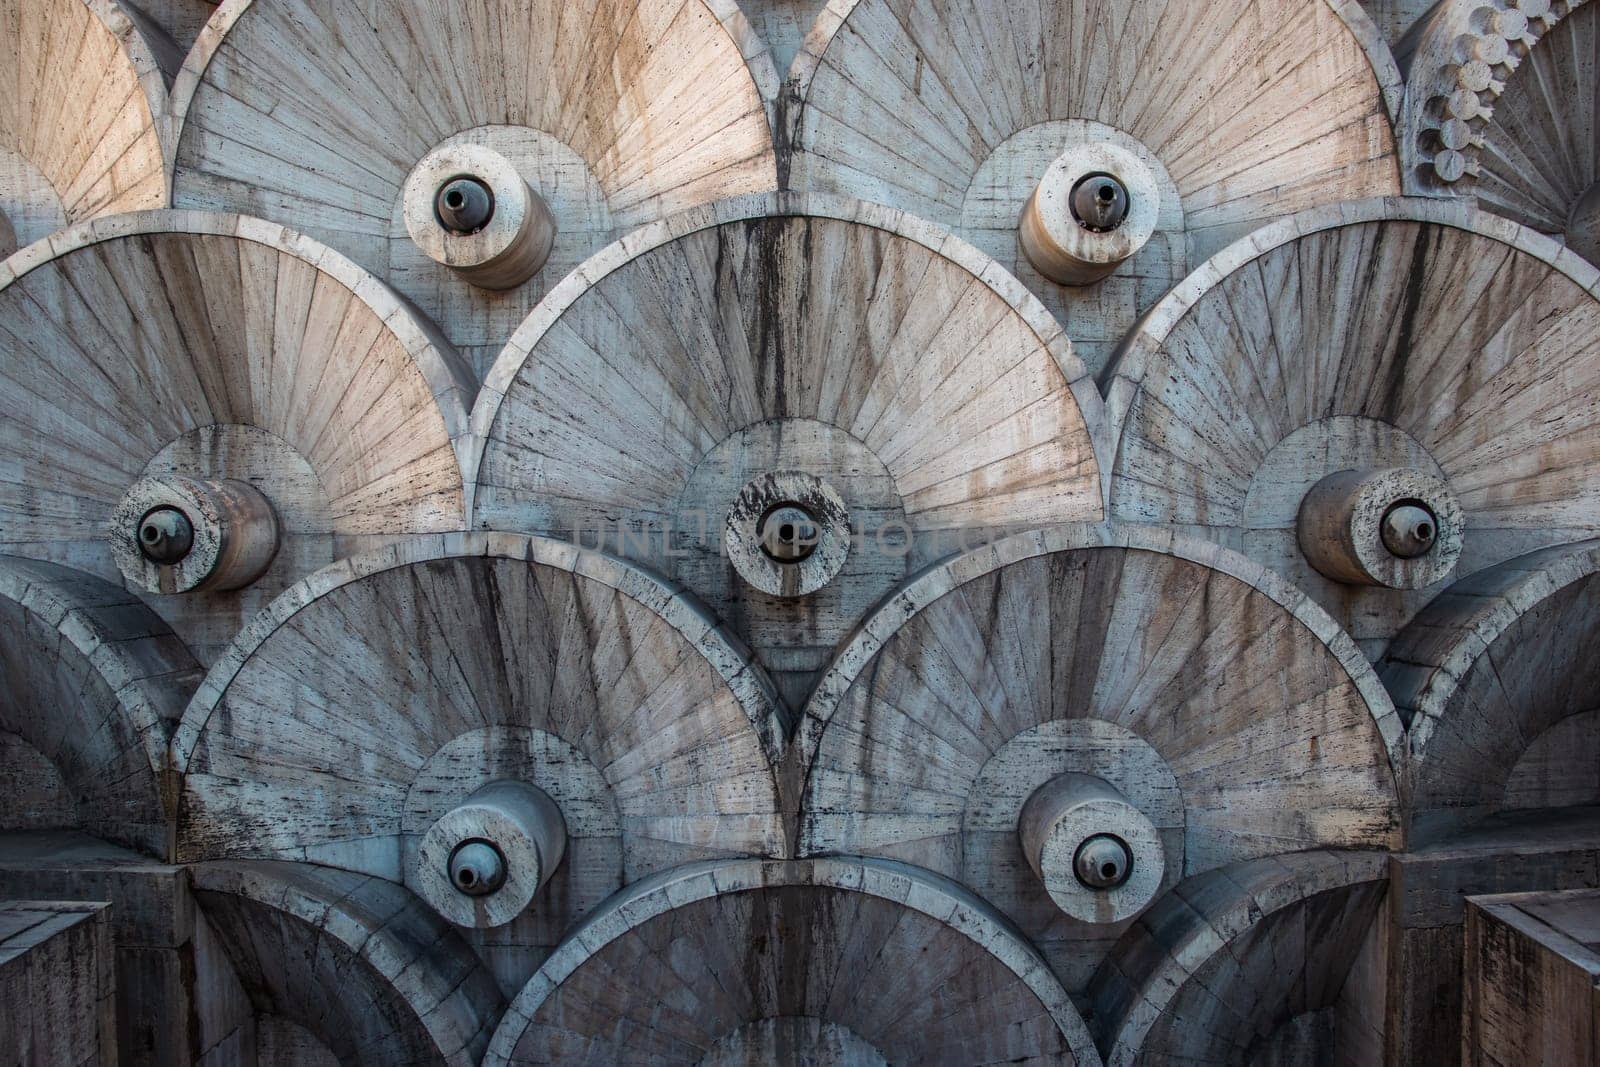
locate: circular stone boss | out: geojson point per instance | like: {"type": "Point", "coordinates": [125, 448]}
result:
{"type": "Point", "coordinates": [848, 960]}
{"type": "Point", "coordinates": [1398, 527]}
{"type": "Point", "coordinates": [788, 533]}
{"type": "Point", "coordinates": [840, 343]}
{"type": "Point", "coordinates": [975, 725]}
{"type": "Point", "coordinates": [225, 370]}
{"type": "Point", "coordinates": [482, 862]}
{"type": "Point", "coordinates": [1312, 383]}
{"type": "Point", "coordinates": [1095, 208]}
{"type": "Point", "coordinates": [467, 207]}
{"type": "Point", "coordinates": [1099, 857]}
{"type": "Point", "coordinates": [180, 535]}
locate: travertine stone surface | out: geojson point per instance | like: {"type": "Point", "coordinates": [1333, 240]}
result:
{"type": "Point", "coordinates": [865, 531]}
{"type": "Point", "coordinates": [218, 347]}
{"type": "Point", "coordinates": [793, 334]}
{"type": "Point", "coordinates": [1513, 852]}
{"type": "Point", "coordinates": [906, 963]}
{"type": "Point", "coordinates": [1499, 684]}
{"type": "Point", "coordinates": [1397, 527]}
{"type": "Point", "coordinates": [787, 534]}
{"type": "Point", "coordinates": [313, 112]}
{"type": "Point", "coordinates": [94, 682]}
{"type": "Point", "coordinates": [1395, 18]}
{"type": "Point", "coordinates": [1269, 730]}
{"type": "Point", "coordinates": [886, 109]}
{"type": "Point", "coordinates": [173, 535]}
{"type": "Point", "coordinates": [1539, 162]}
{"type": "Point", "coordinates": [78, 118]}
{"type": "Point", "coordinates": [57, 984]}
{"type": "Point", "coordinates": [783, 26]}
{"type": "Point", "coordinates": [1071, 246]}
{"type": "Point", "coordinates": [170, 26]}
{"type": "Point", "coordinates": [482, 862]}
{"type": "Point", "coordinates": [178, 1000]}
{"type": "Point", "coordinates": [1389, 333]}
{"type": "Point", "coordinates": [591, 868]}
{"type": "Point", "coordinates": [1100, 858]}
{"type": "Point", "coordinates": [786, 1038]}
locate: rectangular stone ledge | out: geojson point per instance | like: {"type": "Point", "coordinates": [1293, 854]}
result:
{"type": "Point", "coordinates": [1532, 979]}
{"type": "Point", "coordinates": [1510, 853]}
{"type": "Point", "coordinates": [151, 929]}
{"type": "Point", "coordinates": [57, 984]}
{"type": "Point", "coordinates": [1515, 852]}
{"type": "Point", "coordinates": [154, 907]}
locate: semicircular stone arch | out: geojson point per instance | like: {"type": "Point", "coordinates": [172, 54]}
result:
{"type": "Point", "coordinates": [182, 345]}
{"type": "Point", "coordinates": [93, 682]}
{"type": "Point", "coordinates": [364, 968]}
{"type": "Point", "coordinates": [615, 112]}
{"type": "Point", "coordinates": [1497, 683]}
{"type": "Point", "coordinates": [1214, 698]}
{"type": "Point", "coordinates": [764, 336]}
{"type": "Point", "coordinates": [1389, 334]}
{"type": "Point", "coordinates": [718, 962]}
{"type": "Point", "coordinates": [445, 664]}
{"type": "Point", "coordinates": [78, 66]}
{"type": "Point", "coordinates": [1249, 963]}
{"type": "Point", "coordinates": [953, 110]}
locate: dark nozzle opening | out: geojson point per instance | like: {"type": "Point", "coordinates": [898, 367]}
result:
{"type": "Point", "coordinates": [165, 536]}
{"type": "Point", "coordinates": [789, 533]}
{"type": "Point", "coordinates": [1410, 529]}
{"type": "Point", "coordinates": [1103, 861]}
{"type": "Point", "coordinates": [1100, 203]}
{"type": "Point", "coordinates": [477, 868]}
{"type": "Point", "coordinates": [464, 205]}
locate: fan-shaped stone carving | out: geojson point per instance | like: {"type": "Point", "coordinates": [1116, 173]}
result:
{"type": "Point", "coordinates": [811, 961]}
{"type": "Point", "coordinates": [350, 963]}
{"type": "Point", "coordinates": [1263, 962]}
{"type": "Point", "coordinates": [283, 403]}
{"type": "Point", "coordinates": [1229, 713]}
{"type": "Point", "coordinates": [1498, 679]}
{"type": "Point", "coordinates": [706, 371]}
{"type": "Point", "coordinates": [1446, 357]}
{"type": "Point", "coordinates": [955, 110]}
{"type": "Point", "coordinates": [314, 113]}
{"type": "Point", "coordinates": [1501, 106]}
{"type": "Point", "coordinates": [77, 119]}
{"type": "Point", "coordinates": [430, 670]}
{"type": "Point", "coordinates": [91, 686]}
